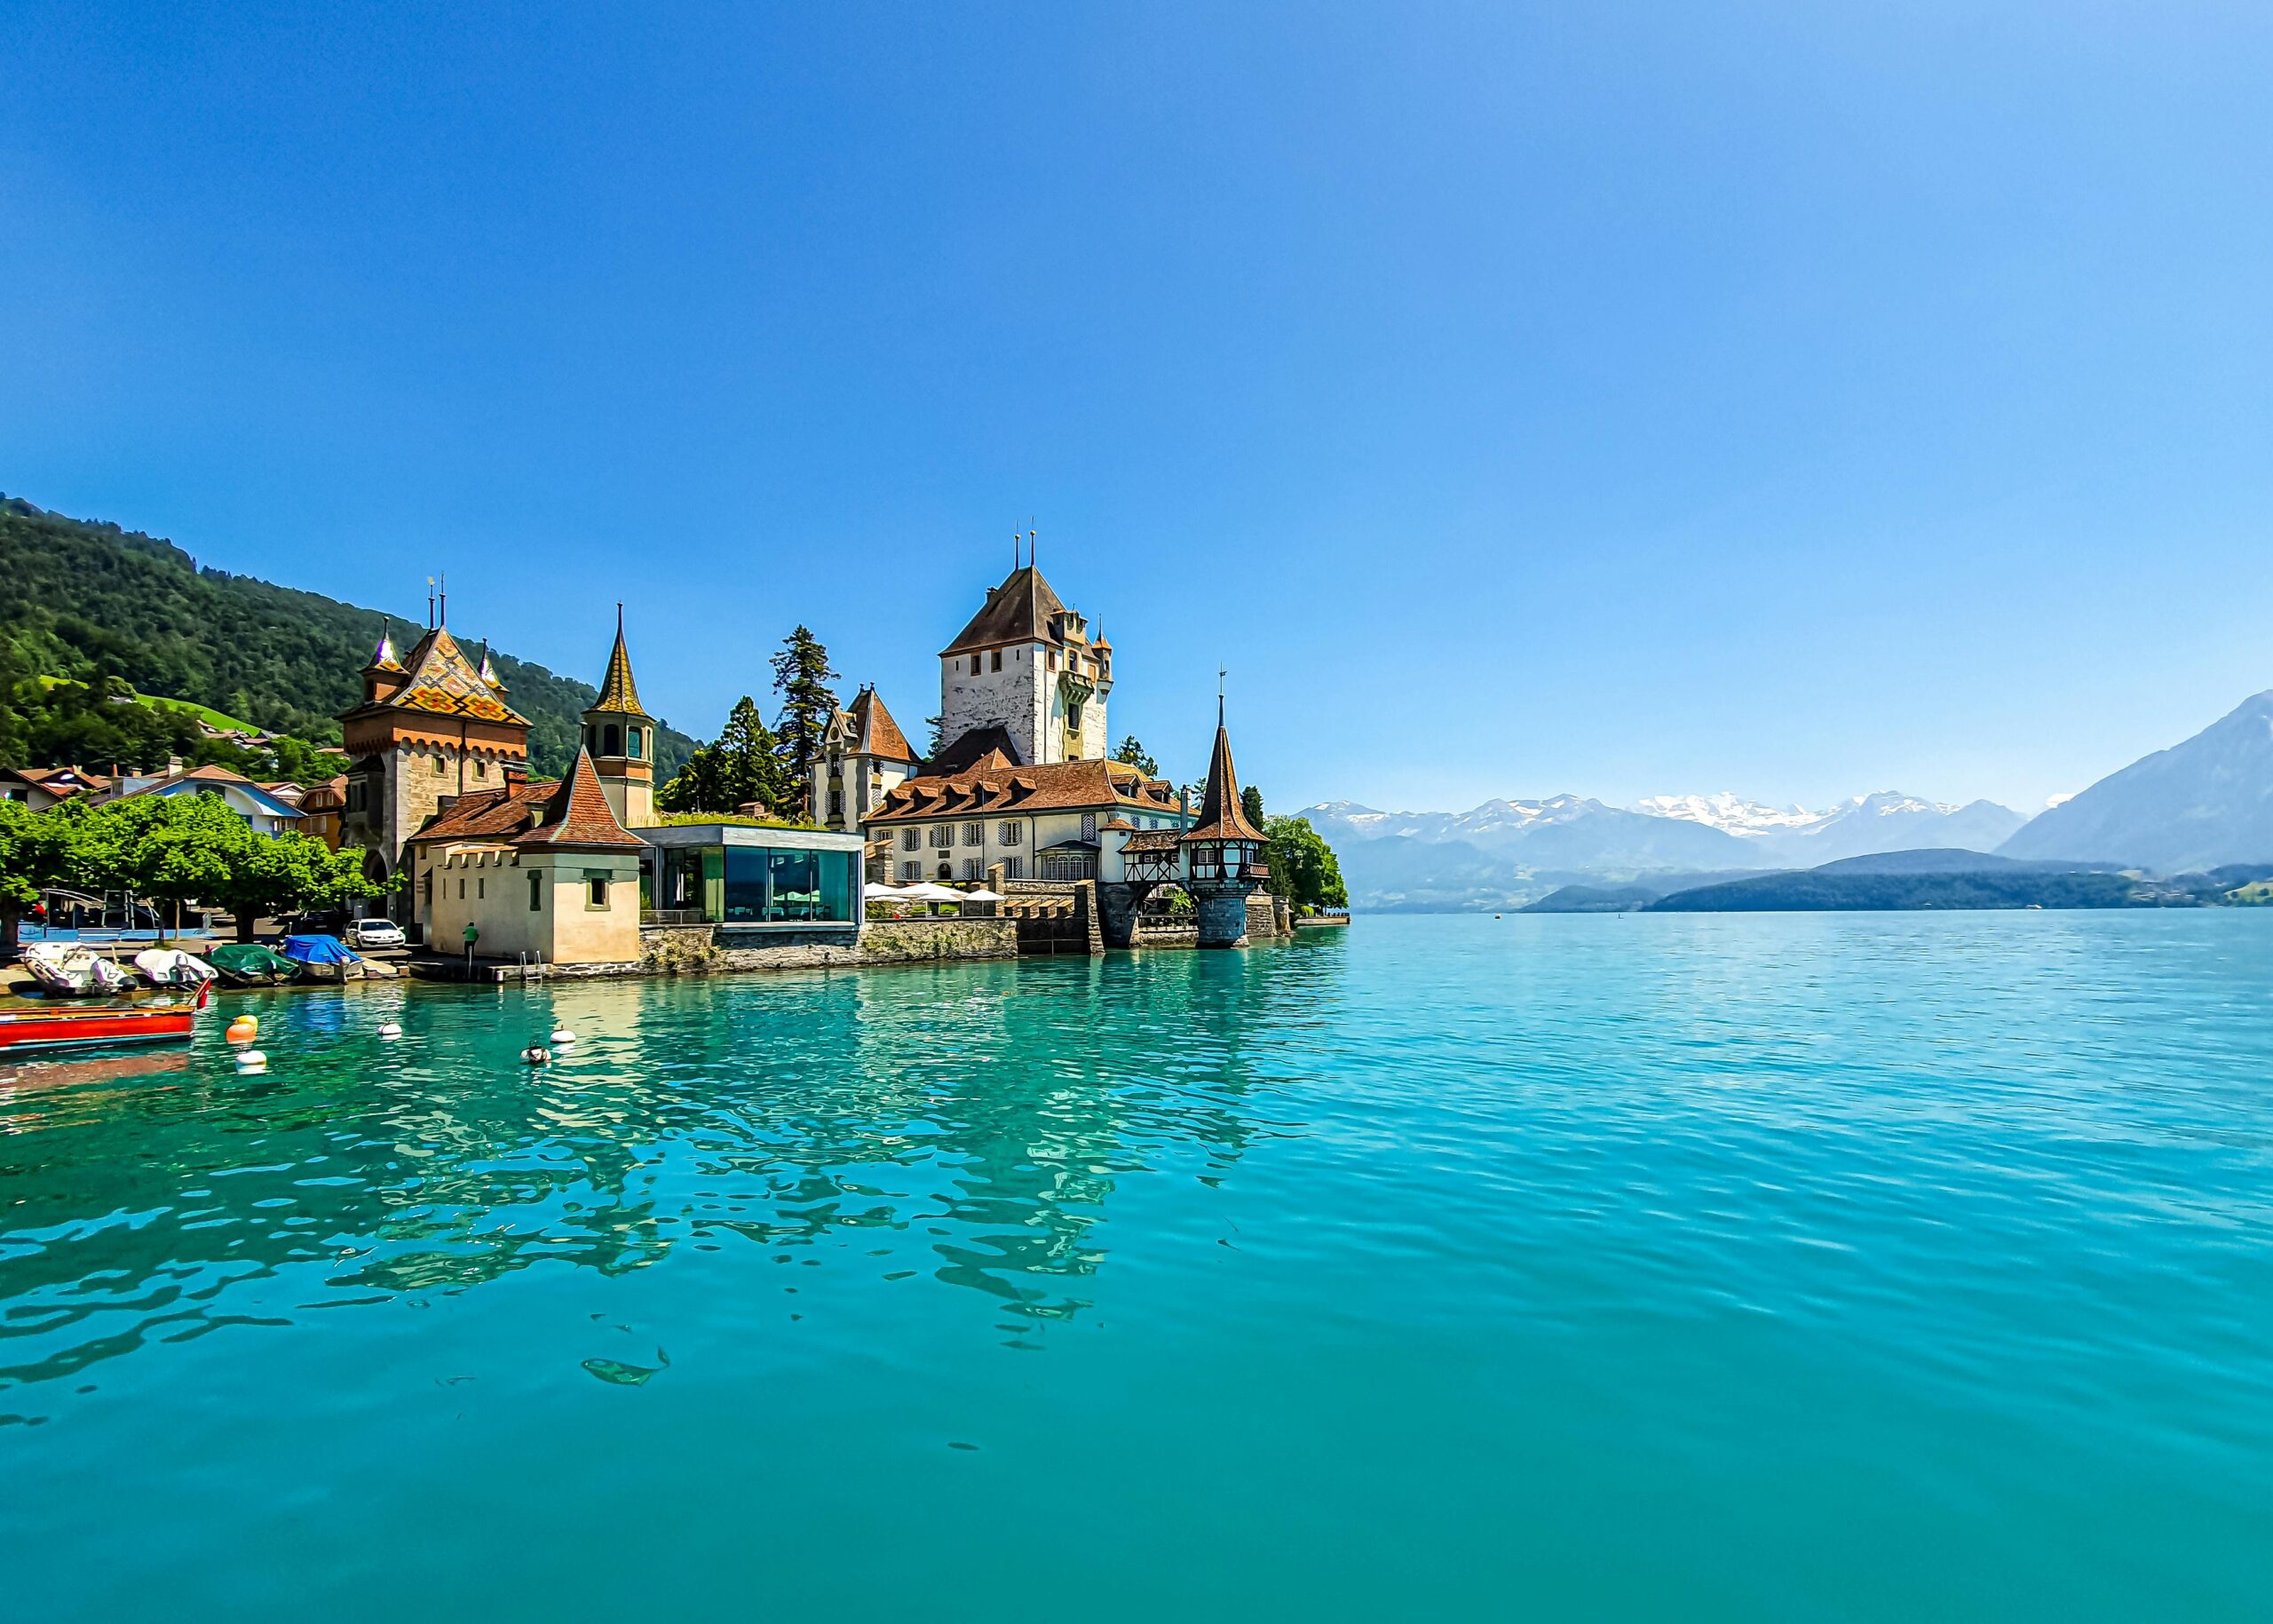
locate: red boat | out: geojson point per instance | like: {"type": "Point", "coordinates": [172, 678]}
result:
{"type": "Point", "coordinates": [82, 1027]}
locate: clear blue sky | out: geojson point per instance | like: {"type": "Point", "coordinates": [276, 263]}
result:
{"type": "Point", "coordinates": [1793, 398]}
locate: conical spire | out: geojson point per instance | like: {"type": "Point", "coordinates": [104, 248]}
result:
{"type": "Point", "coordinates": [489, 670]}
{"type": "Point", "coordinates": [618, 692]}
{"type": "Point", "coordinates": [383, 657]}
{"type": "Point", "coordinates": [1221, 817]}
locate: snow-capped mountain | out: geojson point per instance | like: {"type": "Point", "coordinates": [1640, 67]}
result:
{"type": "Point", "coordinates": [1888, 821]}
{"type": "Point", "coordinates": [1729, 812]}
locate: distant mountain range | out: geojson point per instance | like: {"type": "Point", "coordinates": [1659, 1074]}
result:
{"type": "Point", "coordinates": [2201, 808]}
{"type": "Point", "coordinates": [1506, 853]}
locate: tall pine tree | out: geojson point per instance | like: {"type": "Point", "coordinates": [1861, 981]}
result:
{"type": "Point", "coordinates": [802, 675]}
{"type": "Point", "coordinates": [742, 765]}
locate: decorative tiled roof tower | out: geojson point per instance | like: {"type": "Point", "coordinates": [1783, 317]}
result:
{"type": "Point", "coordinates": [620, 736]}
{"type": "Point", "coordinates": [431, 727]}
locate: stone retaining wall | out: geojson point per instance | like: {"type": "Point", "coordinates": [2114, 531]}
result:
{"type": "Point", "coordinates": [680, 950]}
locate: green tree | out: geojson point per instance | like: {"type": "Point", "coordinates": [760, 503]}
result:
{"type": "Point", "coordinates": [34, 856]}
{"type": "Point", "coordinates": [802, 675]}
{"type": "Point", "coordinates": [1251, 804]}
{"type": "Point", "coordinates": [743, 764]}
{"type": "Point", "coordinates": [1135, 754]}
{"type": "Point", "coordinates": [1304, 868]}
{"type": "Point", "coordinates": [195, 848]}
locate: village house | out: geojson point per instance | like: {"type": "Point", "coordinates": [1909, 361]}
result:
{"type": "Point", "coordinates": [41, 787]}
{"type": "Point", "coordinates": [265, 811]}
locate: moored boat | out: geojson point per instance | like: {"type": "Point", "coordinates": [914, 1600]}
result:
{"type": "Point", "coordinates": [171, 967]}
{"type": "Point", "coordinates": [22, 1029]}
{"type": "Point", "coordinates": [71, 970]}
{"type": "Point", "coordinates": [250, 964]}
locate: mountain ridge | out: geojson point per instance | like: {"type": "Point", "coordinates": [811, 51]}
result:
{"type": "Point", "coordinates": [81, 599]}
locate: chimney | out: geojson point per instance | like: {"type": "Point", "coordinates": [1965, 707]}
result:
{"type": "Point", "coordinates": [517, 774]}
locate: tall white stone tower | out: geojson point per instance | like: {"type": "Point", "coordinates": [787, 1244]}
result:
{"type": "Point", "coordinates": [1025, 677]}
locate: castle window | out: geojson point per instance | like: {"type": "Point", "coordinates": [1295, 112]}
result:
{"type": "Point", "coordinates": [1013, 833]}
{"type": "Point", "coordinates": [480, 890]}
{"type": "Point", "coordinates": [943, 836]}
{"type": "Point", "coordinates": [837, 803]}
{"type": "Point", "coordinates": [911, 871]}
{"type": "Point", "coordinates": [637, 740]}
{"type": "Point", "coordinates": [595, 892]}
{"type": "Point", "coordinates": [438, 768]}
{"type": "Point", "coordinates": [481, 769]}
{"type": "Point", "coordinates": [460, 890]}
{"type": "Point", "coordinates": [536, 891]}
{"type": "Point", "coordinates": [998, 660]}
{"type": "Point", "coordinates": [970, 867]}
{"type": "Point", "coordinates": [910, 840]}
{"type": "Point", "coordinates": [1088, 826]}
{"type": "Point", "coordinates": [1014, 867]}
{"type": "Point", "coordinates": [1053, 659]}
{"type": "Point", "coordinates": [974, 833]}
{"type": "Point", "coordinates": [611, 739]}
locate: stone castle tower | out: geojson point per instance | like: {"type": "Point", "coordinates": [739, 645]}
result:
{"type": "Point", "coordinates": [620, 736]}
{"type": "Point", "coordinates": [430, 727]}
{"type": "Point", "coordinates": [1025, 677]}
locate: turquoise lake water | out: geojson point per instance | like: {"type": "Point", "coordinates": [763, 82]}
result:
{"type": "Point", "coordinates": [1796, 1267]}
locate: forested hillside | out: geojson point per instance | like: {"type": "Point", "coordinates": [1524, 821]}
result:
{"type": "Point", "coordinates": [89, 601]}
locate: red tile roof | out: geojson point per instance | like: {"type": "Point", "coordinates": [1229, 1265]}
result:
{"type": "Point", "coordinates": [1066, 786]}
{"type": "Point", "coordinates": [578, 814]}
{"type": "Point", "coordinates": [488, 814]}
{"type": "Point", "coordinates": [875, 731]}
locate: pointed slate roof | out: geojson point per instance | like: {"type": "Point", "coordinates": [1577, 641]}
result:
{"type": "Point", "coordinates": [875, 731]}
{"type": "Point", "coordinates": [618, 692]}
{"type": "Point", "coordinates": [1019, 611]}
{"type": "Point", "coordinates": [1220, 814]}
{"type": "Point", "coordinates": [444, 682]}
{"type": "Point", "coordinates": [489, 672]}
{"type": "Point", "coordinates": [578, 814]}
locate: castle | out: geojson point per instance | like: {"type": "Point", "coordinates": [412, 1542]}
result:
{"type": "Point", "coordinates": [1023, 681]}
{"type": "Point", "coordinates": [433, 728]}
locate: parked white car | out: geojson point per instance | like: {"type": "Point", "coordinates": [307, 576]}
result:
{"type": "Point", "coordinates": [375, 933]}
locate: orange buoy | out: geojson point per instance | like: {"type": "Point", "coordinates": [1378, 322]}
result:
{"type": "Point", "coordinates": [242, 1030]}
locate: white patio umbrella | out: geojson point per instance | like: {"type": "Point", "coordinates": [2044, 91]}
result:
{"type": "Point", "coordinates": [981, 895]}
{"type": "Point", "coordinates": [876, 892]}
{"type": "Point", "coordinates": [926, 891]}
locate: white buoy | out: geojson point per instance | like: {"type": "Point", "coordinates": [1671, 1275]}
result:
{"type": "Point", "coordinates": [562, 1035]}
{"type": "Point", "coordinates": [390, 1031]}
{"type": "Point", "coordinates": [536, 1054]}
{"type": "Point", "coordinates": [251, 1060]}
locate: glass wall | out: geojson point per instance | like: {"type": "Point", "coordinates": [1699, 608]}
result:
{"type": "Point", "coordinates": [746, 885]}
{"type": "Point", "coordinates": [766, 886]}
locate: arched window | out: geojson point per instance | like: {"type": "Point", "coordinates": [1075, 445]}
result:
{"type": "Point", "coordinates": [611, 739]}
{"type": "Point", "coordinates": [637, 741]}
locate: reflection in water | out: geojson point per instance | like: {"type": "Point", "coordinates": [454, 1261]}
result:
{"type": "Point", "coordinates": [979, 1115]}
